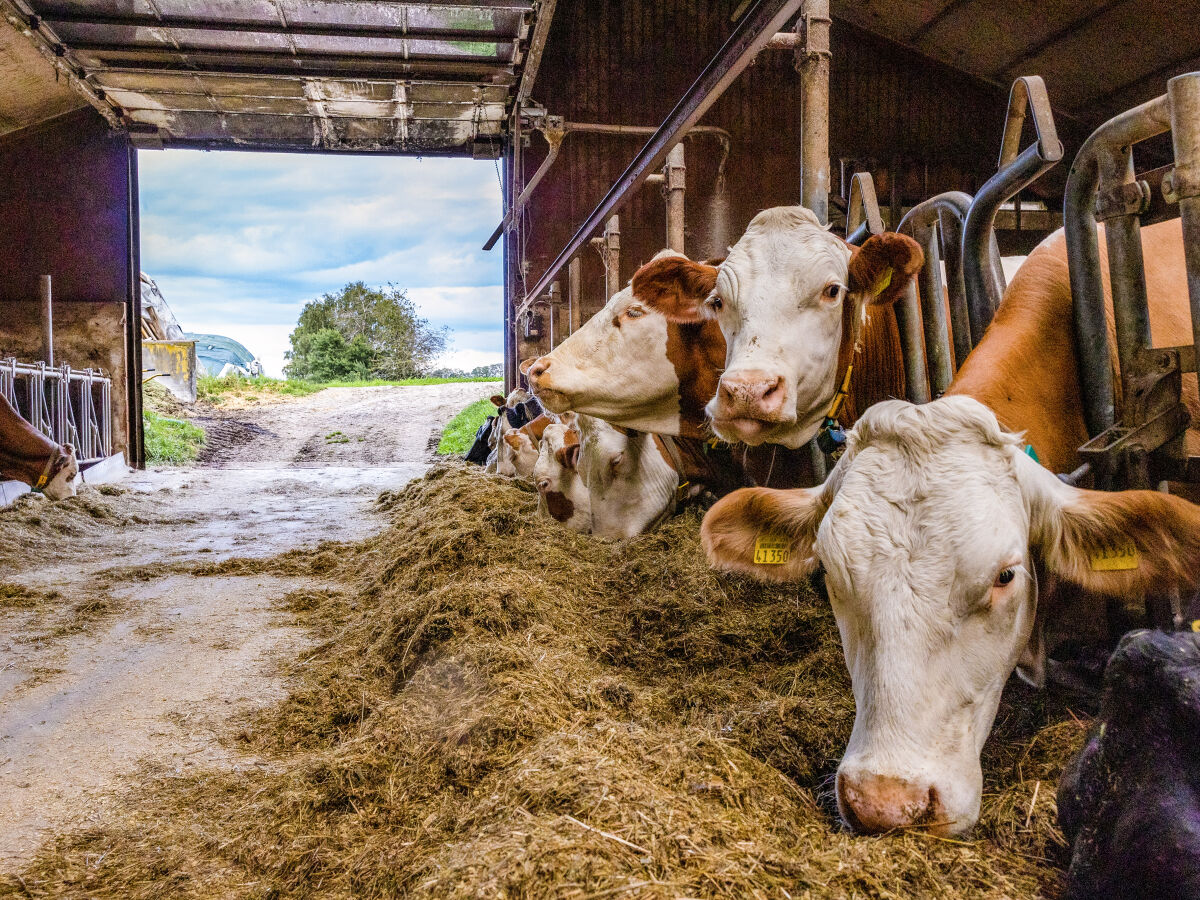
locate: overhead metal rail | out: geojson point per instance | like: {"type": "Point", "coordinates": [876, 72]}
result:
{"type": "Point", "coordinates": [751, 35]}
{"type": "Point", "coordinates": [435, 78]}
{"type": "Point", "coordinates": [67, 405]}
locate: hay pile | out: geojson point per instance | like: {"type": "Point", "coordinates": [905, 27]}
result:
{"type": "Point", "coordinates": [503, 708]}
{"type": "Point", "coordinates": [35, 527]}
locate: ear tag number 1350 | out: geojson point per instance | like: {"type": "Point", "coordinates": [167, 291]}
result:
{"type": "Point", "coordinates": [1115, 559]}
{"type": "Point", "coordinates": [772, 550]}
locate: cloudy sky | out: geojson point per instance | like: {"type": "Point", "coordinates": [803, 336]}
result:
{"type": "Point", "coordinates": [239, 241]}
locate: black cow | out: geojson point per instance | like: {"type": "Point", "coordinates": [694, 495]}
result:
{"type": "Point", "coordinates": [1130, 801]}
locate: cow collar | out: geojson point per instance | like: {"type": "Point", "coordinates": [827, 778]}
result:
{"type": "Point", "coordinates": [670, 451]}
{"type": "Point", "coordinates": [51, 468]}
{"type": "Point", "coordinates": [831, 438]}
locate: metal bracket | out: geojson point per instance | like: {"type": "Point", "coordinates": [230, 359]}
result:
{"type": "Point", "coordinates": [1179, 185]}
{"type": "Point", "coordinates": [1029, 92]}
{"type": "Point", "coordinates": [1130, 199]}
{"type": "Point", "coordinates": [862, 212]}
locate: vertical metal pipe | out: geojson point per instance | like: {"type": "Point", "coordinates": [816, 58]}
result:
{"type": "Point", "coordinates": [1184, 94]}
{"type": "Point", "coordinates": [47, 292]}
{"type": "Point", "coordinates": [814, 110]}
{"type": "Point", "coordinates": [933, 313]}
{"type": "Point", "coordinates": [912, 340]}
{"type": "Point", "coordinates": [612, 257]}
{"type": "Point", "coordinates": [575, 290]}
{"type": "Point", "coordinates": [1126, 268]}
{"type": "Point", "coordinates": [676, 177]}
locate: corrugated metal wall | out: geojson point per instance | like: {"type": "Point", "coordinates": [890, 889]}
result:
{"type": "Point", "coordinates": [891, 111]}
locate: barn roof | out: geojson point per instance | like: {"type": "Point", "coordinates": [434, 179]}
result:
{"type": "Point", "coordinates": [439, 77]}
{"type": "Point", "coordinates": [1097, 57]}
{"type": "Point", "coordinates": [349, 75]}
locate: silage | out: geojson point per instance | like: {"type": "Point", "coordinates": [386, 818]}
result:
{"type": "Point", "coordinates": [502, 708]}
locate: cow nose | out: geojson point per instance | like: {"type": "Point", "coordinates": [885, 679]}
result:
{"type": "Point", "coordinates": [751, 394]}
{"type": "Point", "coordinates": [539, 367]}
{"type": "Point", "coordinates": [543, 484]}
{"type": "Point", "coordinates": [873, 804]}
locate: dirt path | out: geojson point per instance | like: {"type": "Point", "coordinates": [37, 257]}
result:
{"type": "Point", "coordinates": [89, 698]}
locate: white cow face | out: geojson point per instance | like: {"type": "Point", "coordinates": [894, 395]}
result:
{"type": "Point", "coordinates": [623, 365]}
{"type": "Point", "coordinates": [630, 484]}
{"type": "Point", "coordinates": [786, 298]}
{"type": "Point", "coordinates": [932, 529]}
{"type": "Point", "coordinates": [562, 495]}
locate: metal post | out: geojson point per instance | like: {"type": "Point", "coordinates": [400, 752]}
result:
{"type": "Point", "coordinates": [813, 64]}
{"type": "Point", "coordinates": [575, 286]}
{"type": "Point", "coordinates": [556, 308]}
{"type": "Point", "coordinates": [1184, 93]}
{"type": "Point", "coordinates": [612, 257]}
{"type": "Point", "coordinates": [47, 287]}
{"type": "Point", "coordinates": [676, 172]}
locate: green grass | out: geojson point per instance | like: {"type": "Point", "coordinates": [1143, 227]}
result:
{"type": "Point", "coordinates": [459, 433]}
{"type": "Point", "coordinates": [212, 389]}
{"type": "Point", "coordinates": [171, 441]}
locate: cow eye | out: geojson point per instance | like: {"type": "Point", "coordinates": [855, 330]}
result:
{"type": "Point", "coordinates": [1006, 577]}
{"type": "Point", "coordinates": [635, 312]}
{"type": "Point", "coordinates": [832, 291]}
{"type": "Point", "coordinates": [714, 302]}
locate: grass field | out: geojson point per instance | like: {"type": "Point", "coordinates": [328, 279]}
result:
{"type": "Point", "coordinates": [171, 441]}
{"type": "Point", "coordinates": [459, 432]}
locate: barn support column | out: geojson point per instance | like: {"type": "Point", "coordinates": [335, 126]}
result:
{"type": "Point", "coordinates": [813, 64]}
{"type": "Point", "coordinates": [575, 282]}
{"type": "Point", "coordinates": [1184, 92]}
{"type": "Point", "coordinates": [676, 176]}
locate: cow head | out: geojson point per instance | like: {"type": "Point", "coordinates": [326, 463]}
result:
{"type": "Point", "coordinates": [65, 474]}
{"type": "Point", "coordinates": [932, 530]}
{"type": "Point", "coordinates": [790, 299]}
{"type": "Point", "coordinates": [630, 483]}
{"type": "Point", "coordinates": [632, 366]}
{"type": "Point", "coordinates": [562, 495]}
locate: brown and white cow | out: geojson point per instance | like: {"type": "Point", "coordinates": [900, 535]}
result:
{"type": "Point", "coordinates": [936, 529]}
{"type": "Point", "coordinates": [523, 446]}
{"type": "Point", "coordinates": [800, 309]}
{"type": "Point", "coordinates": [28, 455]}
{"type": "Point", "coordinates": [562, 495]}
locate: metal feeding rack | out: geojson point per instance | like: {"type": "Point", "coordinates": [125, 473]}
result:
{"type": "Point", "coordinates": [69, 406]}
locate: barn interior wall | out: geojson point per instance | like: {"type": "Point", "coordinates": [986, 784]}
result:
{"type": "Point", "coordinates": [67, 209]}
{"type": "Point", "coordinates": [918, 126]}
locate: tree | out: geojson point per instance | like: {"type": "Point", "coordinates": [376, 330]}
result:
{"type": "Point", "coordinates": [379, 335]}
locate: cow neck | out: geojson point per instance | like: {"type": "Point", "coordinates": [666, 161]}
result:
{"type": "Point", "coordinates": [874, 348]}
{"type": "Point", "coordinates": [34, 472]}
{"type": "Point", "coordinates": [701, 463]}
{"type": "Point", "coordinates": [697, 353]}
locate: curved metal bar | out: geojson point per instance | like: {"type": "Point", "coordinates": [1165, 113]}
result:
{"type": "Point", "coordinates": [982, 274]}
{"type": "Point", "coordinates": [1105, 152]}
{"type": "Point", "coordinates": [922, 223]}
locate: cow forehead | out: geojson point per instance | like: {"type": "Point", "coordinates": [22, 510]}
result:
{"type": "Point", "coordinates": [803, 255]}
{"type": "Point", "coordinates": [938, 522]}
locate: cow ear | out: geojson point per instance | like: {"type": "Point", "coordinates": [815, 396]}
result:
{"type": "Point", "coordinates": [568, 456]}
{"type": "Point", "coordinates": [497, 401]}
{"type": "Point", "coordinates": [675, 287]}
{"type": "Point", "coordinates": [513, 439]}
{"type": "Point", "coordinates": [753, 529]}
{"type": "Point", "coordinates": [1124, 544]}
{"type": "Point", "coordinates": [883, 266]}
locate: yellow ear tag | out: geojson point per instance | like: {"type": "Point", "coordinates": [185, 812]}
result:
{"type": "Point", "coordinates": [1195, 624]}
{"type": "Point", "coordinates": [772, 550]}
{"type": "Point", "coordinates": [1115, 559]}
{"type": "Point", "coordinates": [884, 280]}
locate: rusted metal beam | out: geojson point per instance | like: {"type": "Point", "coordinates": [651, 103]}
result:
{"type": "Point", "coordinates": [50, 48]}
{"type": "Point", "coordinates": [192, 23]}
{"type": "Point", "coordinates": [458, 62]}
{"type": "Point", "coordinates": [813, 61]}
{"type": "Point", "coordinates": [751, 34]}
{"type": "Point", "coordinates": [366, 67]}
{"type": "Point", "coordinates": [533, 57]}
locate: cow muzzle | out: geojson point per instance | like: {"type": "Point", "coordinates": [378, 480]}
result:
{"type": "Point", "coordinates": [874, 804]}
{"type": "Point", "coordinates": [749, 404]}
{"type": "Point", "coordinates": [542, 386]}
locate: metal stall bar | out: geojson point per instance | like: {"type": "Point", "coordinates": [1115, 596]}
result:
{"type": "Point", "coordinates": [945, 213]}
{"type": "Point", "coordinates": [1105, 150]}
{"type": "Point", "coordinates": [66, 405]}
{"type": "Point", "coordinates": [981, 256]}
{"type": "Point", "coordinates": [1184, 93]}
{"type": "Point", "coordinates": [1146, 444]}
{"type": "Point", "coordinates": [755, 29]}
{"type": "Point", "coordinates": [908, 310]}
